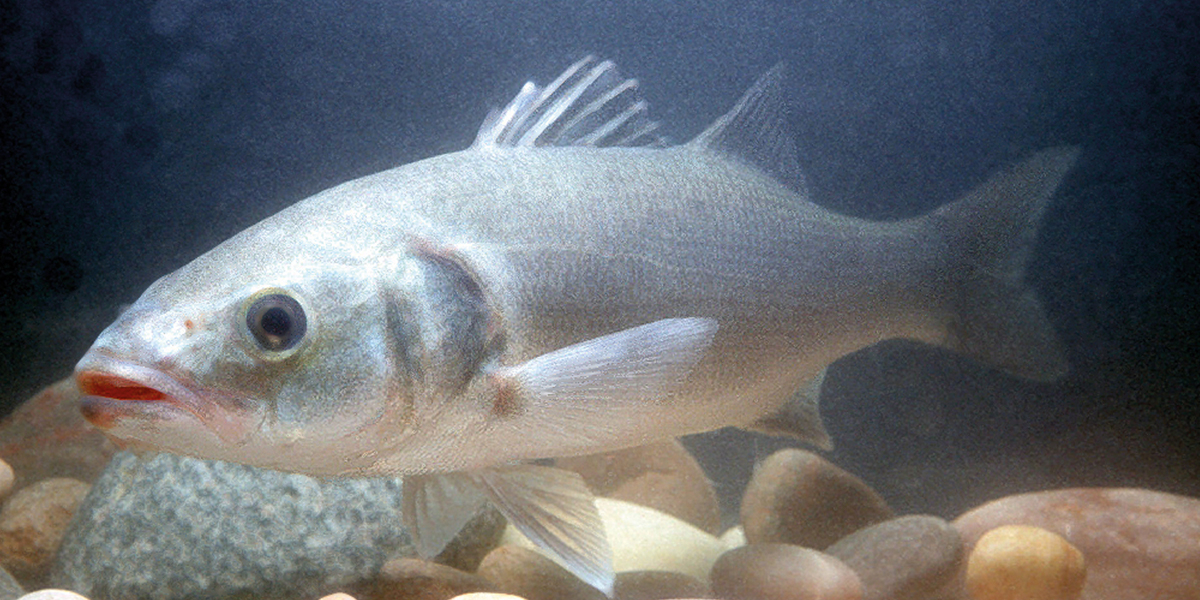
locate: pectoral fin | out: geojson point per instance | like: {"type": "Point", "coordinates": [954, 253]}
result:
{"type": "Point", "coordinates": [636, 366]}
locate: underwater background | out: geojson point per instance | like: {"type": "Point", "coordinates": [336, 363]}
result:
{"type": "Point", "coordinates": [136, 135]}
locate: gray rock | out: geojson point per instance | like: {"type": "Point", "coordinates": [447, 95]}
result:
{"type": "Point", "coordinates": [797, 497]}
{"type": "Point", "coordinates": [9, 588]}
{"type": "Point", "coordinates": [911, 557]}
{"type": "Point", "coordinates": [166, 527]}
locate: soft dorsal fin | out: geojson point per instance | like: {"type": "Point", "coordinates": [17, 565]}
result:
{"type": "Point", "coordinates": [755, 131]}
{"type": "Point", "coordinates": [589, 104]}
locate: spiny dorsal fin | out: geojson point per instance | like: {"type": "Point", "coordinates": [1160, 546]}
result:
{"type": "Point", "coordinates": [755, 131]}
{"type": "Point", "coordinates": [590, 104]}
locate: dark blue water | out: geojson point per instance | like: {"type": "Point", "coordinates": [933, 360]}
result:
{"type": "Point", "coordinates": [136, 135]}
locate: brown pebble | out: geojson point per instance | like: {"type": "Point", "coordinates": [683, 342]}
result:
{"type": "Point", "coordinates": [46, 437]}
{"type": "Point", "coordinates": [414, 579]}
{"type": "Point", "coordinates": [516, 570]}
{"type": "Point", "coordinates": [663, 476]}
{"type": "Point", "coordinates": [797, 497]}
{"type": "Point", "coordinates": [783, 572]}
{"type": "Point", "coordinates": [657, 585]}
{"type": "Point", "coordinates": [32, 525]}
{"type": "Point", "coordinates": [1138, 543]}
{"type": "Point", "coordinates": [487, 596]}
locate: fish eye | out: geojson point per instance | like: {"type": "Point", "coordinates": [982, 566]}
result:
{"type": "Point", "coordinates": [276, 321]}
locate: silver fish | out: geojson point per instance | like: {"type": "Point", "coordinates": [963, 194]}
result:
{"type": "Point", "coordinates": [566, 285]}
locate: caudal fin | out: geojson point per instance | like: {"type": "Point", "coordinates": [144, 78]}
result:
{"type": "Point", "coordinates": [990, 234]}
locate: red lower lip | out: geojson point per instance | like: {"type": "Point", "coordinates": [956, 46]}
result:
{"type": "Point", "coordinates": [103, 385]}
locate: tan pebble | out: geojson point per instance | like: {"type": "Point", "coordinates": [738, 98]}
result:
{"type": "Point", "coordinates": [487, 596]}
{"type": "Point", "coordinates": [657, 585]}
{"type": "Point", "coordinates": [7, 479]}
{"type": "Point", "coordinates": [33, 522]}
{"type": "Point", "coordinates": [521, 571]}
{"type": "Point", "coordinates": [52, 595]}
{"type": "Point", "coordinates": [663, 476]}
{"type": "Point", "coordinates": [338, 596]}
{"type": "Point", "coordinates": [414, 579]}
{"type": "Point", "coordinates": [1018, 562]}
{"type": "Point", "coordinates": [783, 572]}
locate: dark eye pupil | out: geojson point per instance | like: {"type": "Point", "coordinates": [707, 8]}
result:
{"type": "Point", "coordinates": [276, 321]}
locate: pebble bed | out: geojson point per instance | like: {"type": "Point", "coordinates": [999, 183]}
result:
{"type": "Point", "coordinates": [808, 530]}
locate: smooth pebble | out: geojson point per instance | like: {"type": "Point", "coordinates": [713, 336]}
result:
{"type": "Point", "coordinates": [783, 572]}
{"type": "Point", "coordinates": [416, 579]}
{"type": "Point", "coordinates": [338, 596]}
{"type": "Point", "coordinates": [33, 522]}
{"type": "Point", "coordinates": [46, 436]}
{"type": "Point", "coordinates": [520, 570]}
{"type": "Point", "coordinates": [1137, 543]}
{"type": "Point", "coordinates": [1019, 562]}
{"type": "Point", "coordinates": [910, 557]}
{"type": "Point", "coordinates": [663, 476]}
{"type": "Point", "coordinates": [487, 596]}
{"type": "Point", "coordinates": [657, 585]}
{"type": "Point", "coordinates": [52, 595]}
{"type": "Point", "coordinates": [7, 478]}
{"type": "Point", "coordinates": [797, 497]}
{"type": "Point", "coordinates": [644, 539]}
{"type": "Point", "coordinates": [734, 537]}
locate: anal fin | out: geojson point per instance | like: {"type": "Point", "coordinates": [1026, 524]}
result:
{"type": "Point", "coordinates": [800, 417]}
{"type": "Point", "coordinates": [557, 512]}
{"type": "Point", "coordinates": [552, 507]}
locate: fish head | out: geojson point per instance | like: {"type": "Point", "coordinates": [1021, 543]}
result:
{"type": "Point", "coordinates": [274, 361]}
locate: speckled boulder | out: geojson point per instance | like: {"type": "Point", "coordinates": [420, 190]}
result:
{"type": "Point", "coordinates": [906, 558]}
{"type": "Point", "coordinates": [1137, 543]}
{"type": "Point", "coordinates": [168, 527]}
{"type": "Point", "coordinates": [797, 497]}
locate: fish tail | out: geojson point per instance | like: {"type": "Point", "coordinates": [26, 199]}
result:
{"type": "Point", "coordinates": [994, 317]}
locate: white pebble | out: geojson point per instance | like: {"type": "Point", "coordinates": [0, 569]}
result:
{"type": "Point", "coordinates": [6, 479]}
{"type": "Point", "coordinates": [52, 595]}
{"type": "Point", "coordinates": [644, 539]}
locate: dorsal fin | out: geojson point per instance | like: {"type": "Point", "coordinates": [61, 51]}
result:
{"type": "Point", "coordinates": [755, 131]}
{"type": "Point", "coordinates": [590, 104]}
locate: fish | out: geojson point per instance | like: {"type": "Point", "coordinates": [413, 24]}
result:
{"type": "Point", "coordinates": [569, 284]}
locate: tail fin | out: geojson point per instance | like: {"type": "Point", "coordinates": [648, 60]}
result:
{"type": "Point", "coordinates": [990, 234]}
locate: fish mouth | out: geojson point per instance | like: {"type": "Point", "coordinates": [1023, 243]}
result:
{"type": "Point", "coordinates": [115, 390]}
